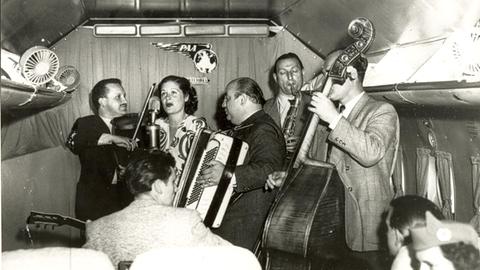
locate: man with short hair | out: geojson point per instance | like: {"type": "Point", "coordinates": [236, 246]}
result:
{"type": "Point", "coordinates": [98, 190]}
{"type": "Point", "coordinates": [150, 221]}
{"type": "Point", "coordinates": [363, 139]}
{"type": "Point", "coordinates": [244, 219]}
{"type": "Point", "coordinates": [288, 72]}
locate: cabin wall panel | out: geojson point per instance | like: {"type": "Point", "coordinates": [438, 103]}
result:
{"type": "Point", "coordinates": [456, 134]}
{"type": "Point", "coordinates": [139, 64]}
{"type": "Point", "coordinates": [43, 181]}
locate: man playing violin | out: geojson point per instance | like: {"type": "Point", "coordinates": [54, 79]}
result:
{"type": "Point", "coordinates": [99, 192]}
{"type": "Point", "coordinates": [363, 140]}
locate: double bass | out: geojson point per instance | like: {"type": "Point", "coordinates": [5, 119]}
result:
{"type": "Point", "coordinates": [306, 220]}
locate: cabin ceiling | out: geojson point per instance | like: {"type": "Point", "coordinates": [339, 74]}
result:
{"type": "Point", "coordinates": [321, 24]}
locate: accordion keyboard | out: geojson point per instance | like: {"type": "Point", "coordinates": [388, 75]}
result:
{"type": "Point", "coordinates": [210, 202]}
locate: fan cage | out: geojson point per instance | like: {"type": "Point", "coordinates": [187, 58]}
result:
{"type": "Point", "coordinates": [39, 65]}
{"type": "Point", "coordinates": [69, 77]}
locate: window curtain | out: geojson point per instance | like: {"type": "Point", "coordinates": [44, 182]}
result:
{"type": "Point", "coordinates": [476, 192]}
{"type": "Point", "coordinates": [398, 176]}
{"type": "Point", "coordinates": [445, 177]}
{"type": "Point", "coordinates": [423, 157]}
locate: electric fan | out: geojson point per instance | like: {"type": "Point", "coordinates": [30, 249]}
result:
{"type": "Point", "coordinates": [68, 77]}
{"type": "Point", "coordinates": [465, 48]}
{"type": "Point", "coordinates": [39, 65]}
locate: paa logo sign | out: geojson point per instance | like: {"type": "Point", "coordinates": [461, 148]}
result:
{"type": "Point", "coordinates": [204, 58]}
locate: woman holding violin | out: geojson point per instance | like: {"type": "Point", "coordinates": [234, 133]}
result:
{"type": "Point", "coordinates": [177, 123]}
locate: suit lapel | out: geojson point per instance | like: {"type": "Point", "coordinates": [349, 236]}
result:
{"type": "Point", "coordinates": [275, 113]}
{"type": "Point", "coordinates": [358, 107]}
{"type": "Point", "coordinates": [336, 153]}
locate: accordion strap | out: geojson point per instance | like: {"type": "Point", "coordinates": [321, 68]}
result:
{"type": "Point", "coordinates": [225, 180]}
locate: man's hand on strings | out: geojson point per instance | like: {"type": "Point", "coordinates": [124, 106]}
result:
{"type": "Point", "coordinates": [322, 106]}
{"type": "Point", "coordinates": [124, 142]}
{"type": "Point", "coordinates": [275, 179]}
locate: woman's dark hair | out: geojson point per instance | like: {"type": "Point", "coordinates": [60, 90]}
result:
{"type": "Point", "coordinates": [191, 105]}
{"type": "Point", "coordinates": [146, 167]}
{"type": "Point", "coordinates": [100, 90]}
{"type": "Point", "coordinates": [409, 211]}
{"type": "Point", "coordinates": [249, 87]}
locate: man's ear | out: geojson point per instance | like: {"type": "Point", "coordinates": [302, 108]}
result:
{"type": "Point", "coordinates": [158, 186]}
{"type": "Point", "coordinates": [102, 101]}
{"type": "Point", "coordinates": [243, 99]}
{"type": "Point", "coordinates": [275, 77]}
{"type": "Point", "coordinates": [400, 236]}
{"type": "Point", "coordinates": [352, 73]}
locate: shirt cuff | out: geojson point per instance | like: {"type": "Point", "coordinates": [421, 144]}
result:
{"type": "Point", "coordinates": [334, 123]}
{"type": "Point", "coordinates": [234, 182]}
{"type": "Point", "coordinates": [103, 139]}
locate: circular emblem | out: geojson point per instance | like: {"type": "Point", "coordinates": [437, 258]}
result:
{"type": "Point", "coordinates": [444, 234]}
{"type": "Point", "coordinates": [205, 60]}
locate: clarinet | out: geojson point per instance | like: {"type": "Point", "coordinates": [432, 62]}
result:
{"type": "Point", "coordinates": [289, 124]}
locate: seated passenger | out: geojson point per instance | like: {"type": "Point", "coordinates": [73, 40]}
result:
{"type": "Point", "coordinates": [443, 245]}
{"type": "Point", "coordinates": [404, 213]}
{"type": "Point", "coordinates": [204, 258]}
{"type": "Point", "coordinates": [149, 221]}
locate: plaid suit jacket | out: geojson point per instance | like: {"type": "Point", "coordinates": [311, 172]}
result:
{"type": "Point", "coordinates": [364, 151]}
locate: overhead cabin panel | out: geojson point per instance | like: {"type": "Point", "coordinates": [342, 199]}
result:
{"type": "Point", "coordinates": [185, 8]}
{"type": "Point", "coordinates": [30, 22]}
{"type": "Point", "coordinates": [396, 22]}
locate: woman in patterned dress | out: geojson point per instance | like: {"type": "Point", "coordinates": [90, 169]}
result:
{"type": "Point", "coordinates": [177, 122]}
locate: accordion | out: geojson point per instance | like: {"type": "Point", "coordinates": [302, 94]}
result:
{"type": "Point", "coordinates": [210, 202]}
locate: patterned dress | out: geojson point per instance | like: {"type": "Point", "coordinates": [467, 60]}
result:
{"type": "Point", "coordinates": [180, 146]}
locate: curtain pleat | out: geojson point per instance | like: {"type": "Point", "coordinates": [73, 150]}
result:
{"type": "Point", "coordinates": [475, 221]}
{"type": "Point", "coordinates": [398, 175]}
{"type": "Point", "coordinates": [444, 166]}
{"type": "Point", "coordinates": [423, 156]}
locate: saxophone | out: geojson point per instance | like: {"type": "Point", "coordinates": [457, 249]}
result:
{"type": "Point", "coordinates": [289, 124]}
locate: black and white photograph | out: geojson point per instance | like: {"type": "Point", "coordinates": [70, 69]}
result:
{"type": "Point", "coordinates": [240, 134]}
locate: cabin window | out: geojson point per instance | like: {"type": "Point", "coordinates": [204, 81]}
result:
{"type": "Point", "coordinates": [435, 179]}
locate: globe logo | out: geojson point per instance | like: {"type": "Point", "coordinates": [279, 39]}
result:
{"type": "Point", "coordinates": [205, 60]}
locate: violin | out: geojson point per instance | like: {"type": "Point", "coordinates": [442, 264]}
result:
{"type": "Point", "coordinates": [138, 127]}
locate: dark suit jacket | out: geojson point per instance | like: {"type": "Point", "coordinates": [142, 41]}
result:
{"type": "Point", "coordinates": [243, 220]}
{"type": "Point", "coordinates": [318, 147]}
{"type": "Point", "coordinates": [96, 196]}
{"type": "Point", "coordinates": [364, 150]}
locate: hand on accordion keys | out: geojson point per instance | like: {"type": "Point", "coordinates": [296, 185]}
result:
{"type": "Point", "coordinates": [210, 176]}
